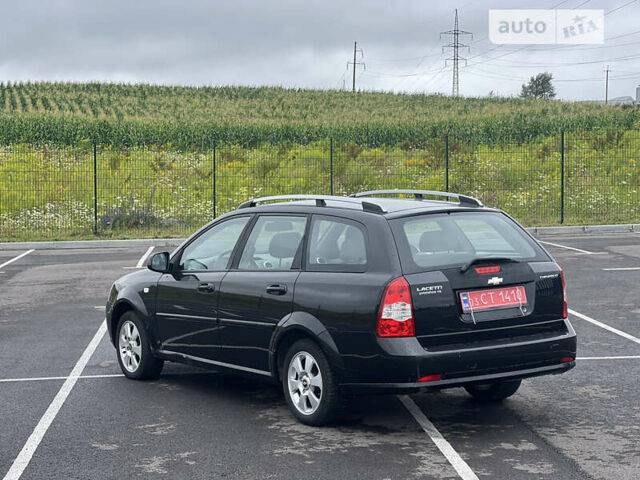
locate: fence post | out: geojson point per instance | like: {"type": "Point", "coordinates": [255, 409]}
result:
{"type": "Point", "coordinates": [562, 176]}
{"type": "Point", "coordinates": [446, 160]}
{"type": "Point", "coordinates": [95, 188]}
{"type": "Point", "coordinates": [331, 163]}
{"type": "Point", "coordinates": [215, 207]}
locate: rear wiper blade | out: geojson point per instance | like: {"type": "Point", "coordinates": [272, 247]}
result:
{"type": "Point", "coordinates": [477, 260]}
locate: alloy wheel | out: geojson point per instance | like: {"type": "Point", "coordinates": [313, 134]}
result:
{"type": "Point", "coordinates": [305, 383]}
{"type": "Point", "coordinates": [130, 346]}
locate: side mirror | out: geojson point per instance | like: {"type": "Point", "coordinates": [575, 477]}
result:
{"type": "Point", "coordinates": [159, 262]}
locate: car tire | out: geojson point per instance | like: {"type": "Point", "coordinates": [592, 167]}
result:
{"type": "Point", "coordinates": [493, 392]}
{"type": "Point", "coordinates": [134, 353]}
{"type": "Point", "coordinates": [310, 386]}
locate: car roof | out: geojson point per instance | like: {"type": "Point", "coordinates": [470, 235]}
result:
{"type": "Point", "coordinates": [390, 207]}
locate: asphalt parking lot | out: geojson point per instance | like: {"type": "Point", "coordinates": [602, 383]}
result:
{"type": "Point", "coordinates": [66, 412]}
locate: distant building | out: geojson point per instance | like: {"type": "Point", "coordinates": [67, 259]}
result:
{"type": "Point", "coordinates": [626, 100]}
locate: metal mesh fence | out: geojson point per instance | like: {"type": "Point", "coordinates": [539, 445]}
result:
{"type": "Point", "coordinates": [602, 177]}
{"type": "Point", "coordinates": [522, 179]}
{"type": "Point", "coordinates": [46, 192]}
{"type": "Point", "coordinates": [88, 190]}
{"type": "Point", "coordinates": [153, 191]}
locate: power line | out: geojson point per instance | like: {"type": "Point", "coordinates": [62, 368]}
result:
{"type": "Point", "coordinates": [516, 64]}
{"type": "Point", "coordinates": [456, 32]}
{"type": "Point", "coordinates": [620, 7]}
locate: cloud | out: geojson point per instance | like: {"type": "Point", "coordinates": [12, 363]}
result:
{"type": "Point", "coordinates": [303, 43]}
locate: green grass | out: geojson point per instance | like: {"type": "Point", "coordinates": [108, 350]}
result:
{"type": "Point", "coordinates": [47, 191]}
{"type": "Point", "coordinates": [66, 113]}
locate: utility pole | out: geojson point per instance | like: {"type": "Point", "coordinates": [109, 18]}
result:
{"type": "Point", "coordinates": [355, 63]}
{"type": "Point", "coordinates": [456, 32]}
{"type": "Point", "coordinates": [606, 85]}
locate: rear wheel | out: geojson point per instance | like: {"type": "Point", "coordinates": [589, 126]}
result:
{"type": "Point", "coordinates": [134, 354]}
{"type": "Point", "coordinates": [493, 392]}
{"type": "Point", "coordinates": [309, 385]}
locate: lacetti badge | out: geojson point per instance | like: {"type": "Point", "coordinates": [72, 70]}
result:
{"type": "Point", "coordinates": [429, 289]}
{"type": "Point", "coordinates": [495, 281]}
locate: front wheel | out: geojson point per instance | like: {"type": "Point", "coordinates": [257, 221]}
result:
{"type": "Point", "coordinates": [134, 354]}
{"type": "Point", "coordinates": [493, 392]}
{"type": "Point", "coordinates": [309, 385]}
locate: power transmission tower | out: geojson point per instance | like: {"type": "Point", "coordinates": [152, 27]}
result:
{"type": "Point", "coordinates": [606, 85]}
{"type": "Point", "coordinates": [456, 32]}
{"type": "Point", "coordinates": [356, 63]}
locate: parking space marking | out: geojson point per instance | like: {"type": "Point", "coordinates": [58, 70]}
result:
{"type": "Point", "coordinates": [456, 461]}
{"type": "Point", "coordinates": [586, 252]}
{"type": "Point", "coordinates": [605, 326]}
{"type": "Point", "coordinates": [24, 457]}
{"type": "Point", "coordinates": [621, 269]}
{"type": "Point", "coordinates": [144, 257]}
{"type": "Point", "coordinates": [42, 379]}
{"type": "Point", "coordinates": [621, 357]}
{"type": "Point", "coordinates": [17, 258]}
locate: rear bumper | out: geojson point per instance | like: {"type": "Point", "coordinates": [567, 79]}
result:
{"type": "Point", "coordinates": [404, 361]}
{"type": "Point", "coordinates": [458, 382]}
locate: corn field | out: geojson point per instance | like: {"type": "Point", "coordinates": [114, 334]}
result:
{"type": "Point", "coordinates": [67, 113]}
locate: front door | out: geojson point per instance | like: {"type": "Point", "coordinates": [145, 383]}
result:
{"type": "Point", "coordinates": [258, 290]}
{"type": "Point", "coordinates": [187, 305]}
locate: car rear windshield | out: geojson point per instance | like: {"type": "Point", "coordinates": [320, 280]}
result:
{"type": "Point", "coordinates": [436, 241]}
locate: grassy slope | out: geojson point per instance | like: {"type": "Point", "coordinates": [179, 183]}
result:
{"type": "Point", "coordinates": [66, 112]}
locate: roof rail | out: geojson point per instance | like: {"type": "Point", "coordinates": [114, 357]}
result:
{"type": "Point", "coordinates": [321, 201]}
{"type": "Point", "coordinates": [419, 195]}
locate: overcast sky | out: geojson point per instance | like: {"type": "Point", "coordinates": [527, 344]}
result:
{"type": "Point", "coordinates": [305, 43]}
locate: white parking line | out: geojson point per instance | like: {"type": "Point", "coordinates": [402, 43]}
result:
{"type": "Point", "coordinates": [621, 269]}
{"type": "Point", "coordinates": [42, 379]}
{"type": "Point", "coordinates": [445, 447]}
{"type": "Point", "coordinates": [586, 252]}
{"type": "Point", "coordinates": [144, 257]}
{"type": "Point", "coordinates": [621, 357]}
{"type": "Point", "coordinates": [605, 326]}
{"type": "Point", "coordinates": [17, 258]}
{"type": "Point", "coordinates": [24, 457]}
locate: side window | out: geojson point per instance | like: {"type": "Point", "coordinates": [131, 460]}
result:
{"type": "Point", "coordinates": [273, 243]}
{"type": "Point", "coordinates": [212, 249]}
{"type": "Point", "coordinates": [336, 245]}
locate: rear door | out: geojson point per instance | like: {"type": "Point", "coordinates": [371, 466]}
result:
{"type": "Point", "coordinates": [258, 290]}
{"type": "Point", "coordinates": [475, 272]}
{"type": "Point", "coordinates": [187, 301]}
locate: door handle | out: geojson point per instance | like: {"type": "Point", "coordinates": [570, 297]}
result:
{"type": "Point", "coordinates": [277, 289]}
{"type": "Point", "coordinates": [206, 287]}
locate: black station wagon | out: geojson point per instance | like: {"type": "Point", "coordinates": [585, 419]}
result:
{"type": "Point", "coordinates": [336, 296]}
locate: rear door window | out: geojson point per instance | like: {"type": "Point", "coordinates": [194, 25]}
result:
{"type": "Point", "coordinates": [336, 245]}
{"type": "Point", "coordinates": [273, 243]}
{"type": "Point", "coordinates": [437, 241]}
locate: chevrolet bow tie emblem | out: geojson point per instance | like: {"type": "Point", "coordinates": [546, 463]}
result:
{"type": "Point", "coordinates": [495, 281]}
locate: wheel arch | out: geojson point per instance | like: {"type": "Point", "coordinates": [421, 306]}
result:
{"type": "Point", "coordinates": [123, 305]}
{"type": "Point", "coordinates": [297, 326]}
{"type": "Point", "coordinates": [119, 309]}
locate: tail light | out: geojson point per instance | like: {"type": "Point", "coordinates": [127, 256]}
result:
{"type": "Point", "coordinates": [431, 378]}
{"type": "Point", "coordinates": [565, 308]}
{"type": "Point", "coordinates": [395, 318]}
